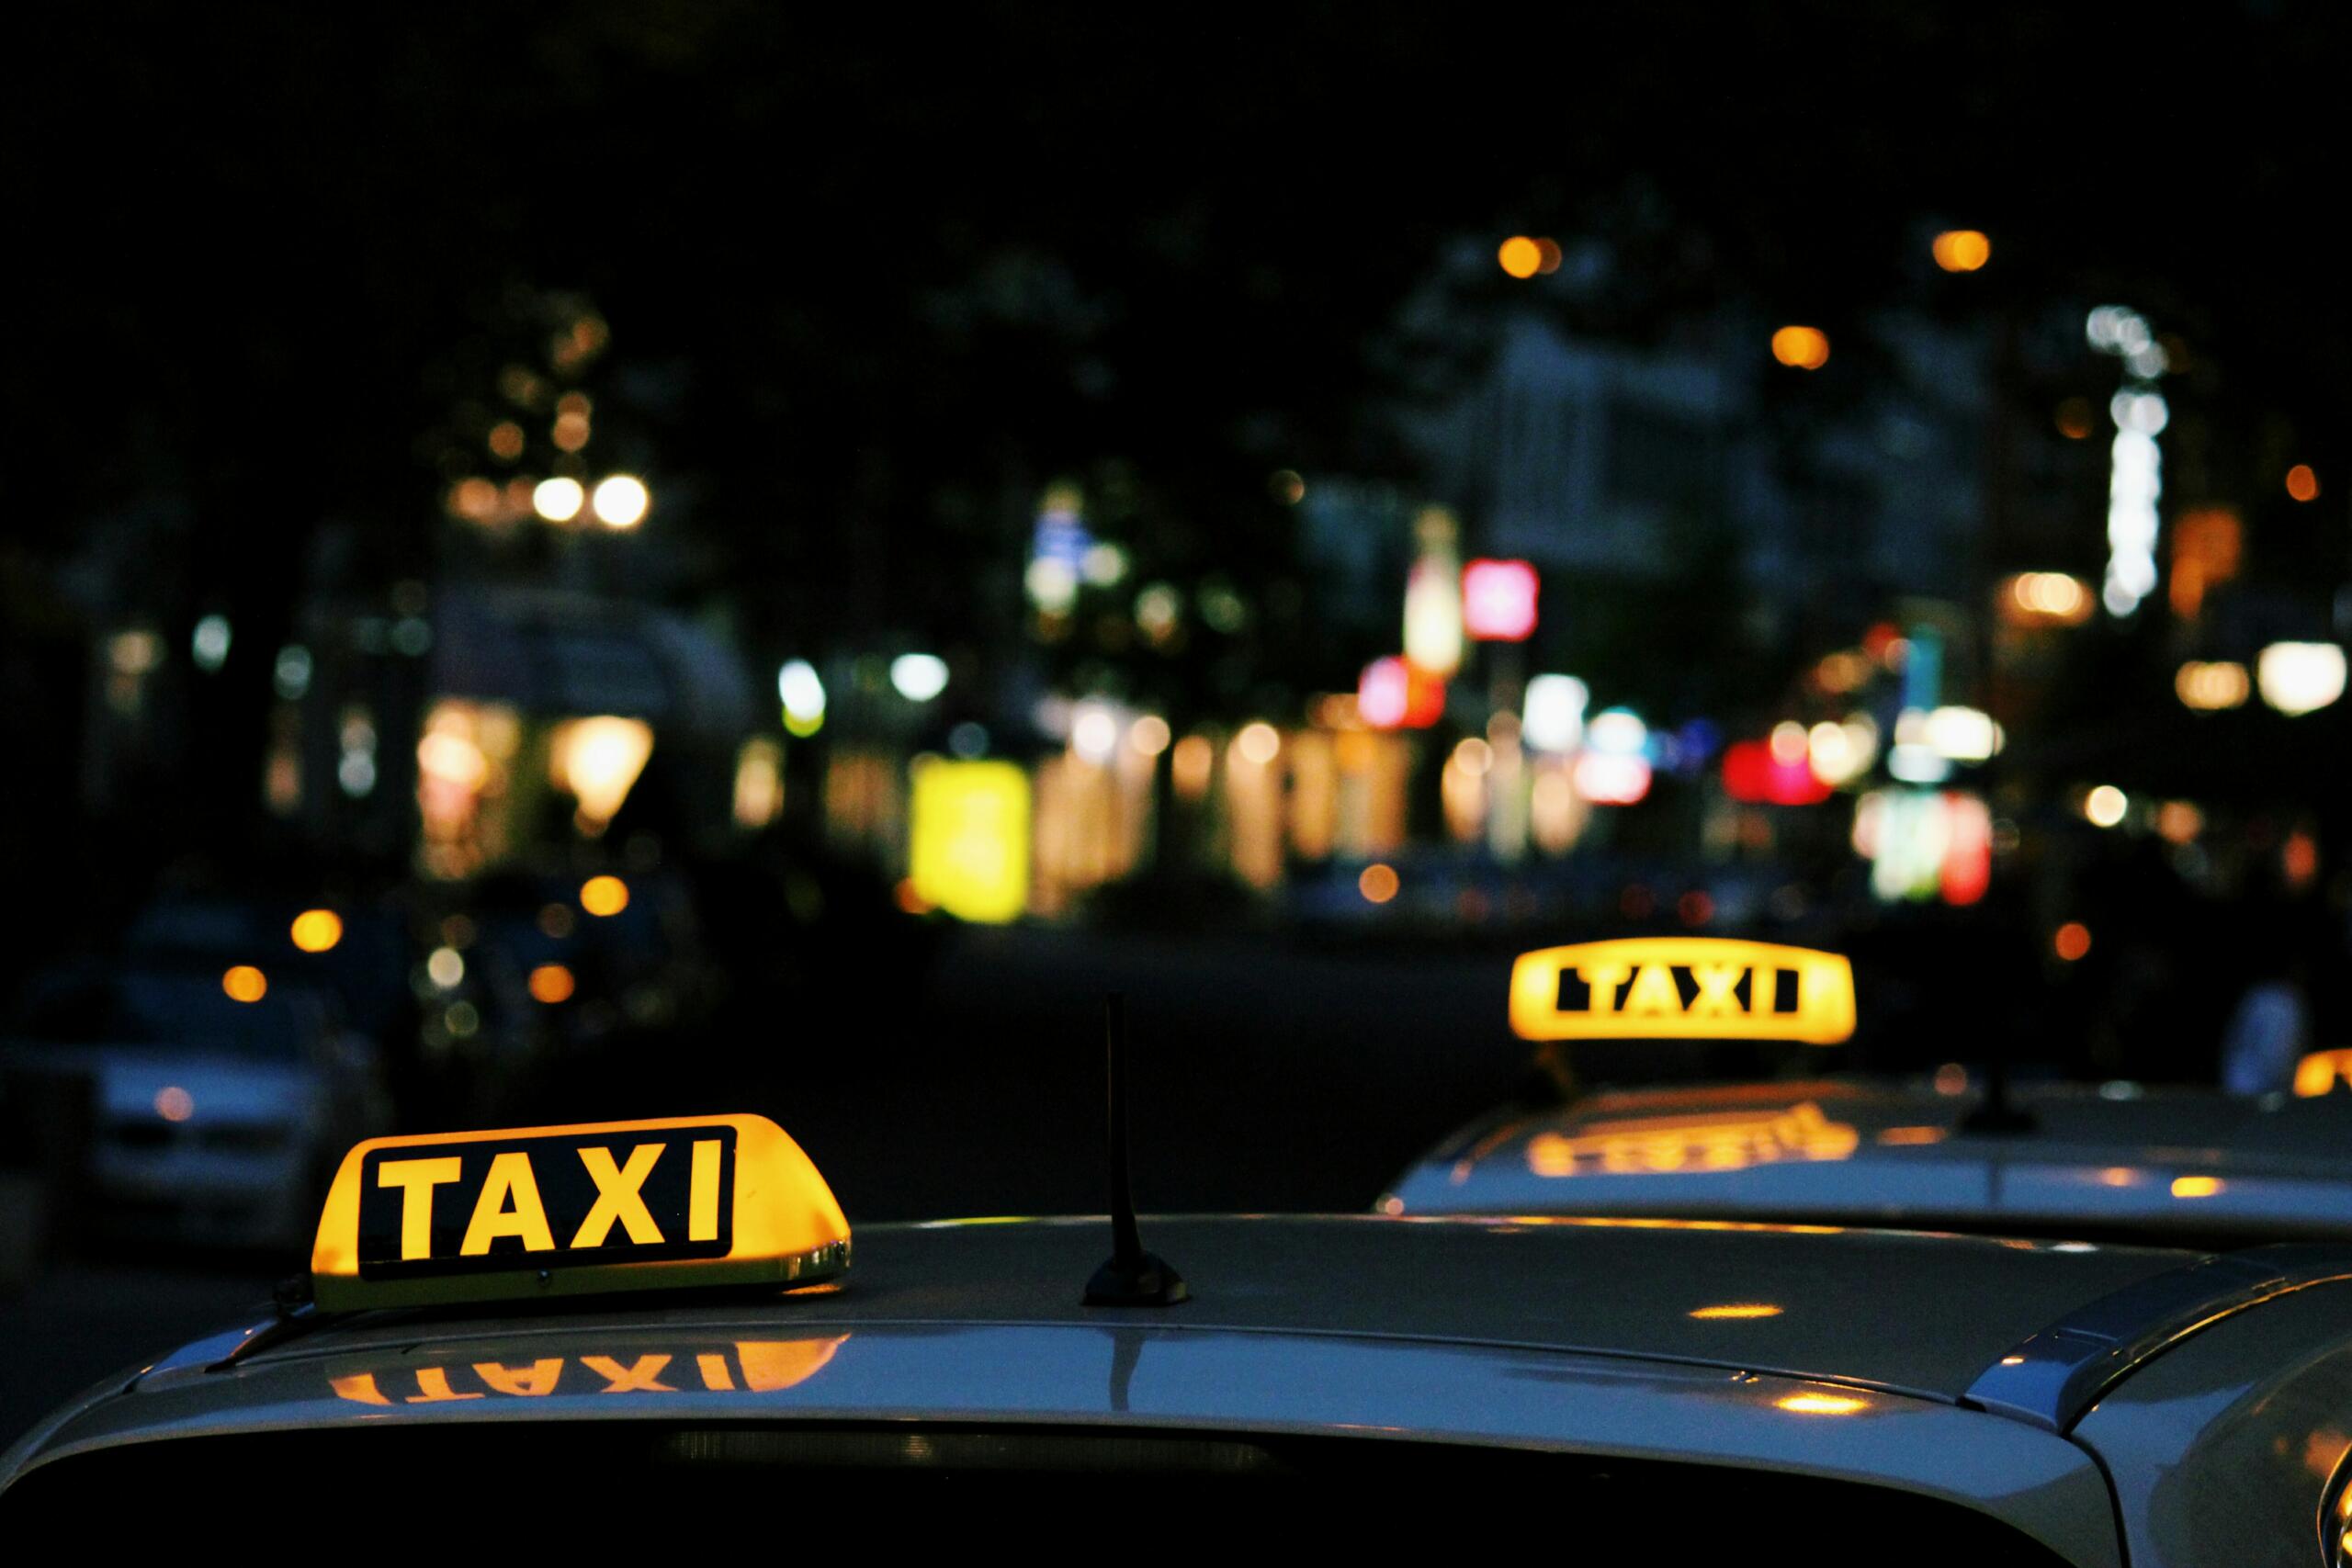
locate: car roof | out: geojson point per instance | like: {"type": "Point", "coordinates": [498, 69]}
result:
{"type": "Point", "coordinates": [2114, 1159]}
{"type": "Point", "coordinates": [1905, 1312]}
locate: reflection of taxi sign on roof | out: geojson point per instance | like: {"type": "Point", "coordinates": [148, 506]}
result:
{"type": "Point", "coordinates": [565, 1211]}
{"type": "Point", "coordinates": [1682, 988]}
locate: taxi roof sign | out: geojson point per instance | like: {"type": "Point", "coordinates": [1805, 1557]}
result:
{"type": "Point", "coordinates": [1682, 988]}
{"type": "Point", "coordinates": [539, 1212]}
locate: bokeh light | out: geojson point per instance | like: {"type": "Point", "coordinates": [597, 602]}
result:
{"type": "Point", "coordinates": [558, 500]}
{"type": "Point", "coordinates": [1520, 257]}
{"type": "Point", "coordinates": [1801, 348]}
{"type": "Point", "coordinates": [317, 930]}
{"type": "Point", "coordinates": [2302, 483]}
{"type": "Point", "coordinates": [550, 983]}
{"type": "Point", "coordinates": [620, 502]}
{"type": "Point", "coordinates": [1379, 884]}
{"type": "Point", "coordinates": [244, 982]}
{"type": "Point", "coordinates": [604, 896]}
{"type": "Point", "coordinates": [1962, 250]}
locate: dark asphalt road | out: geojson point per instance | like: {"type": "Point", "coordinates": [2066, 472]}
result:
{"type": "Point", "coordinates": [1268, 1077]}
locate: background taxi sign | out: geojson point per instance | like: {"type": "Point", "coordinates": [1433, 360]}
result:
{"type": "Point", "coordinates": [564, 1211]}
{"type": "Point", "coordinates": [1682, 988]}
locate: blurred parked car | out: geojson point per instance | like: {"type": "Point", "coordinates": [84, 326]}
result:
{"type": "Point", "coordinates": [216, 1102]}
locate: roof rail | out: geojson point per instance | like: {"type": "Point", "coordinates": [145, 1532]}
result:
{"type": "Point", "coordinates": [2053, 1378]}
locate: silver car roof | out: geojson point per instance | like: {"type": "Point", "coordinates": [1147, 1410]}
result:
{"type": "Point", "coordinates": [2107, 1159]}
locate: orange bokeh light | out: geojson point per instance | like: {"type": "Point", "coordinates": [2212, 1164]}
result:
{"type": "Point", "coordinates": [1801, 348]}
{"type": "Point", "coordinates": [317, 930]}
{"type": "Point", "coordinates": [551, 983]}
{"type": "Point", "coordinates": [2073, 941]}
{"type": "Point", "coordinates": [1520, 257]}
{"type": "Point", "coordinates": [1379, 883]}
{"type": "Point", "coordinates": [604, 895]}
{"type": "Point", "coordinates": [245, 983]}
{"type": "Point", "coordinates": [1962, 250]}
{"type": "Point", "coordinates": [2302, 483]}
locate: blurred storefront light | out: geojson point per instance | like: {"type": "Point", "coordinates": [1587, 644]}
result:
{"type": "Point", "coordinates": [2298, 678]}
{"type": "Point", "coordinates": [759, 783]}
{"type": "Point", "coordinates": [1963, 734]}
{"type": "Point", "coordinates": [620, 502]}
{"type": "Point", "coordinates": [2213, 686]}
{"type": "Point", "coordinates": [1912, 760]}
{"type": "Point", "coordinates": [1617, 732]}
{"type": "Point", "coordinates": [1394, 695]}
{"type": "Point", "coordinates": [1259, 742]}
{"type": "Point", "coordinates": [558, 500]}
{"type": "Point", "coordinates": [1552, 719]}
{"type": "Point", "coordinates": [598, 761]}
{"type": "Point", "coordinates": [919, 677]}
{"type": "Point", "coordinates": [1095, 732]}
{"type": "Point", "coordinates": [969, 838]}
{"type": "Point", "coordinates": [2135, 473]}
{"type": "Point", "coordinates": [2207, 547]}
{"type": "Point", "coordinates": [1433, 628]}
{"type": "Point", "coordinates": [1756, 772]}
{"type": "Point", "coordinates": [2052, 598]}
{"type": "Point", "coordinates": [1611, 778]}
{"type": "Point", "coordinates": [803, 696]}
{"type": "Point", "coordinates": [1499, 600]}
{"type": "Point", "coordinates": [1150, 735]}
{"type": "Point", "coordinates": [1840, 753]}
{"type": "Point", "coordinates": [1925, 844]}
{"type": "Point", "coordinates": [1190, 764]}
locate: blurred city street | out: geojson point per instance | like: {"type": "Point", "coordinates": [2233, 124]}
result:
{"type": "Point", "coordinates": [732, 566]}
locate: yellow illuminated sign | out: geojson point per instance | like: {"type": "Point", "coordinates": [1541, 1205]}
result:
{"type": "Point", "coordinates": [969, 840]}
{"type": "Point", "coordinates": [741, 1366]}
{"type": "Point", "coordinates": [1655, 1144]}
{"type": "Point", "coordinates": [2320, 1073]}
{"type": "Point", "coordinates": [1682, 988]}
{"type": "Point", "coordinates": [560, 1211]}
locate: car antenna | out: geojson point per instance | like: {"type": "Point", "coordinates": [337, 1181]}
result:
{"type": "Point", "coordinates": [1133, 1277]}
{"type": "Point", "coordinates": [1995, 1112]}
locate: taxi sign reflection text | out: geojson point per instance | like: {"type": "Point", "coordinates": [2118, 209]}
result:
{"type": "Point", "coordinates": [1682, 988]}
{"type": "Point", "coordinates": [558, 1210]}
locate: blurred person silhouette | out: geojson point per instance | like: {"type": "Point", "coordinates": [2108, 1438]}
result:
{"type": "Point", "coordinates": [2270, 1029]}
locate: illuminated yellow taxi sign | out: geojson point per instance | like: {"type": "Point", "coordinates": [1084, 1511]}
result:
{"type": "Point", "coordinates": [565, 1211]}
{"type": "Point", "coordinates": [1682, 988]}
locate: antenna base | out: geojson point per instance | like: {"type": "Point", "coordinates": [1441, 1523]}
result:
{"type": "Point", "coordinates": [1143, 1280]}
{"type": "Point", "coordinates": [2002, 1117]}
